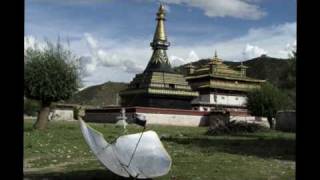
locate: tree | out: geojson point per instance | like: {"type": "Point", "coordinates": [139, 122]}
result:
{"type": "Point", "coordinates": [50, 75]}
{"type": "Point", "coordinates": [288, 79]}
{"type": "Point", "coordinates": [266, 101]}
{"type": "Point", "coordinates": [31, 107]}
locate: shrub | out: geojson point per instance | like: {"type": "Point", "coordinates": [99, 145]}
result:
{"type": "Point", "coordinates": [233, 127]}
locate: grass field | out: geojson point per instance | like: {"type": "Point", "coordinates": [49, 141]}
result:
{"type": "Point", "coordinates": [61, 153]}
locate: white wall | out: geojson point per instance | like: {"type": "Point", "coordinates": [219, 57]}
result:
{"type": "Point", "coordinates": [170, 119]}
{"type": "Point", "coordinates": [174, 119]}
{"type": "Point", "coordinates": [152, 118]}
{"type": "Point", "coordinates": [251, 119]}
{"type": "Point", "coordinates": [61, 114]}
{"type": "Point", "coordinates": [221, 99]}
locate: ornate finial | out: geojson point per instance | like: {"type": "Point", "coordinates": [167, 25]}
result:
{"type": "Point", "coordinates": [215, 59]}
{"type": "Point", "coordinates": [161, 8]}
{"type": "Point", "coordinates": [161, 12]}
{"type": "Point", "coordinates": [160, 31]}
{"type": "Point", "coordinates": [159, 60]}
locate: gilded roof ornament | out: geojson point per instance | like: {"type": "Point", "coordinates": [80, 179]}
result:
{"type": "Point", "coordinates": [215, 59]}
{"type": "Point", "coordinates": [160, 33]}
{"type": "Point", "coordinates": [159, 60]}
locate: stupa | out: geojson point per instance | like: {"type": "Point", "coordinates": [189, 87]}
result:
{"type": "Point", "coordinates": [159, 85]}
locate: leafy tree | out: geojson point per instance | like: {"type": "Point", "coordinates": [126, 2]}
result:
{"type": "Point", "coordinates": [51, 74]}
{"type": "Point", "coordinates": [31, 107]}
{"type": "Point", "coordinates": [288, 79]}
{"type": "Point", "coordinates": [266, 101]}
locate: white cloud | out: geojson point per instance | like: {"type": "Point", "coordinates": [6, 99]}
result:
{"type": "Point", "coordinates": [177, 61]}
{"type": "Point", "coordinates": [112, 60]}
{"type": "Point", "coordinates": [290, 47]}
{"type": "Point", "coordinates": [251, 51]}
{"type": "Point", "coordinates": [192, 56]}
{"type": "Point", "coordinates": [71, 2]}
{"type": "Point", "coordinates": [91, 41]}
{"type": "Point", "coordinates": [242, 9]}
{"type": "Point", "coordinates": [128, 58]}
{"type": "Point", "coordinates": [270, 39]}
{"type": "Point", "coordinates": [109, 58]}
{"type": "Point", "coordinates": [167, 8]}
{"type": "Point", "coordinates": [32, 42]}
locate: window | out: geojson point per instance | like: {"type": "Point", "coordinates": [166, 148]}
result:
{"type": "Point", "coordinates": [172, 86]}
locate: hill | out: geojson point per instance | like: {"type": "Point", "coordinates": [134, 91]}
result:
{"type": "Point", "coordinates": [99, 95]}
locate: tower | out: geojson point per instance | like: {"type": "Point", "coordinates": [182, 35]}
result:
{"type": "Point", "coordinates": [158, 85]}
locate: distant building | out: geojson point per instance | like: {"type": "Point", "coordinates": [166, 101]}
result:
{"type": "Point", "coordinates": [219, 86]}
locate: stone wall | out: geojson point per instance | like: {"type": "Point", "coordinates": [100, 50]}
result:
{"type": "Point", "coordinates": [286, 121]}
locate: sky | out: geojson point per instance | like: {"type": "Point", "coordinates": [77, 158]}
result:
{"type": "Point", "coordinates": [113, 37]}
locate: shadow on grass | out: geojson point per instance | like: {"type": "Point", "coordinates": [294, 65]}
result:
{"type": "Point", "coordinates": [98, 174]}
{"type": "Point", "coordinates": [277, 148]}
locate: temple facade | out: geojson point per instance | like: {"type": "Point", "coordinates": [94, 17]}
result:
{"type": "Point", "coordinates": [166, 97]}
{"type": "Point", "coordinates": [219, 86]}
{"type": "Point", "coordinates": [159, 85]}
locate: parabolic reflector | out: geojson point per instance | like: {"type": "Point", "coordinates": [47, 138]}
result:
{"type": "Point", "coordinates": [125, 158]}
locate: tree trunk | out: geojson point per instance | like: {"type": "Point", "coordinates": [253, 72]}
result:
{"type": "Point", "coordinates": [42, 118]}
{"type": "Point", "coordinates": [270, 120]}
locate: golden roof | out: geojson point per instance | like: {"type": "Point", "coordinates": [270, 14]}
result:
{"type": "Point", "coordinates": [217, 69]}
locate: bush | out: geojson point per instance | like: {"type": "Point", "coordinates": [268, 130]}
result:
{"type": "Point", "coordinates": [234, 127]}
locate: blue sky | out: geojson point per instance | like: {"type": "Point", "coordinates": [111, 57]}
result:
{"type": "Point", "coordinates": [113, 36]}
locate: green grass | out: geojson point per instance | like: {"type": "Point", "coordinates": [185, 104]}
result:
{"type": "Point", "coordinates": [61, 153]}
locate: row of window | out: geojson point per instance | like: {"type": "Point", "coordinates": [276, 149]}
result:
{"type": "Point", "coordinates": [215, 98]}
{"type": "Point", "coordinates": [171, 86]}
